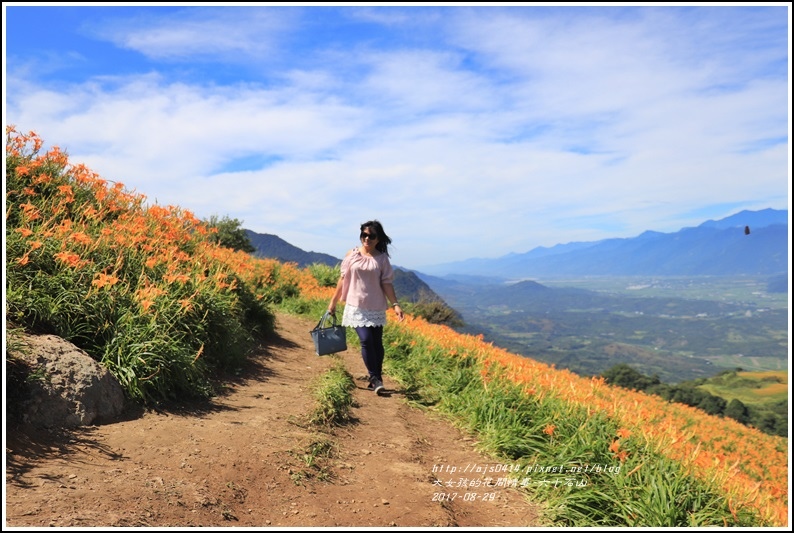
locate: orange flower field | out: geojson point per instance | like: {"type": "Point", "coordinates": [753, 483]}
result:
{"type": "Point", "coordinates": [751, 466]}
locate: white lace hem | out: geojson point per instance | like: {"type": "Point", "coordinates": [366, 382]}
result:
{"type": "Point", "coordinates": [355, 317]}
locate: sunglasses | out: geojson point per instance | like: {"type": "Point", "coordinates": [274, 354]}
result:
{"type": "Point", "coordinates": [370, 236]}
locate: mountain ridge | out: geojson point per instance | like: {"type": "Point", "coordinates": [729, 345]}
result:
{"type": "Point", "coordinates": [274, 247]}
{"type": "Point", "coordinates": [715, 247]}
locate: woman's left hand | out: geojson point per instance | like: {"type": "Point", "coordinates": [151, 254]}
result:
{"type": "Point", "coordinates": [400, 315]}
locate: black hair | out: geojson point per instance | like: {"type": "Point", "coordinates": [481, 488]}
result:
{"type": "Point", "coordinates": [383, 240]}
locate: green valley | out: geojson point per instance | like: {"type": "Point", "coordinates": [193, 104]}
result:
{"type": "Point", "coordinates": [678, 329]}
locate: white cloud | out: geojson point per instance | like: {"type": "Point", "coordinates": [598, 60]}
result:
{"type": "Point", "coordinates": [228, 33]}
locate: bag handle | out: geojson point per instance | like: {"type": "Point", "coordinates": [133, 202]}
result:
{"type": "Point", "coordinates": [321, 323]}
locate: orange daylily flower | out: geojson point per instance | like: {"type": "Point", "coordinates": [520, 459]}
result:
{"type": "Point", "coordinates": [68, 258]}
{"type": "Point", "coordinates": [81, 238]}
{"type": "Point", "coordinates": [104, 280]}
{"type": "Point", "coordinates": [624, 433]}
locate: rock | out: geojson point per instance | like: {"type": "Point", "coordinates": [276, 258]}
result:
{"type": "Point", "coordinates": [73, 389]}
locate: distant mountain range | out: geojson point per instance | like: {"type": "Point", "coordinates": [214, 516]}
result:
{"type": "Point", "coordinates": [274, 247]}
{"type": "Point", "coordinates": [579, 329]}
{"type": "Point", "coordinates": [747, 243]}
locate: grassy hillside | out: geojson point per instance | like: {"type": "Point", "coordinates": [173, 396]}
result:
{"type": "Point", "coordinates": [751, 388]}
{"type": "Point", "coordinates": [145, 291]}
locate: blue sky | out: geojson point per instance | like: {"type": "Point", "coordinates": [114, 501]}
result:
{"type": "Point", "coordinates": [468, 131]}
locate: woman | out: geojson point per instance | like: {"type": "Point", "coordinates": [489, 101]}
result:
{"type": "Point", "coordinates": [366, 287]}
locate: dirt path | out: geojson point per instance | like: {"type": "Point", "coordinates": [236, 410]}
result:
{"type": "Point", "coordinates": [248, 459]}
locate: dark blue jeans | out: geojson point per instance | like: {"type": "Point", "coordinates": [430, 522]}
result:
{"type": "Point", "coordinates": [372, 350]}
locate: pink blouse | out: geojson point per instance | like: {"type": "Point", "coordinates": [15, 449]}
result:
{"type": "Point", "coordinates": [362, 276]}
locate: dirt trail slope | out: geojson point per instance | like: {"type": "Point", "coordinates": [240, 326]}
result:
{"type": "Point", "coordinates": [248, 459]}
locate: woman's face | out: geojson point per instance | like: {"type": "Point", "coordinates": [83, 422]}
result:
{"type": "Point", "coordinates": [369, 238]}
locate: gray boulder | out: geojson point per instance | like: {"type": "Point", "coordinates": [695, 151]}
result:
{"type": "Point", "coordinates": [68, 388]}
